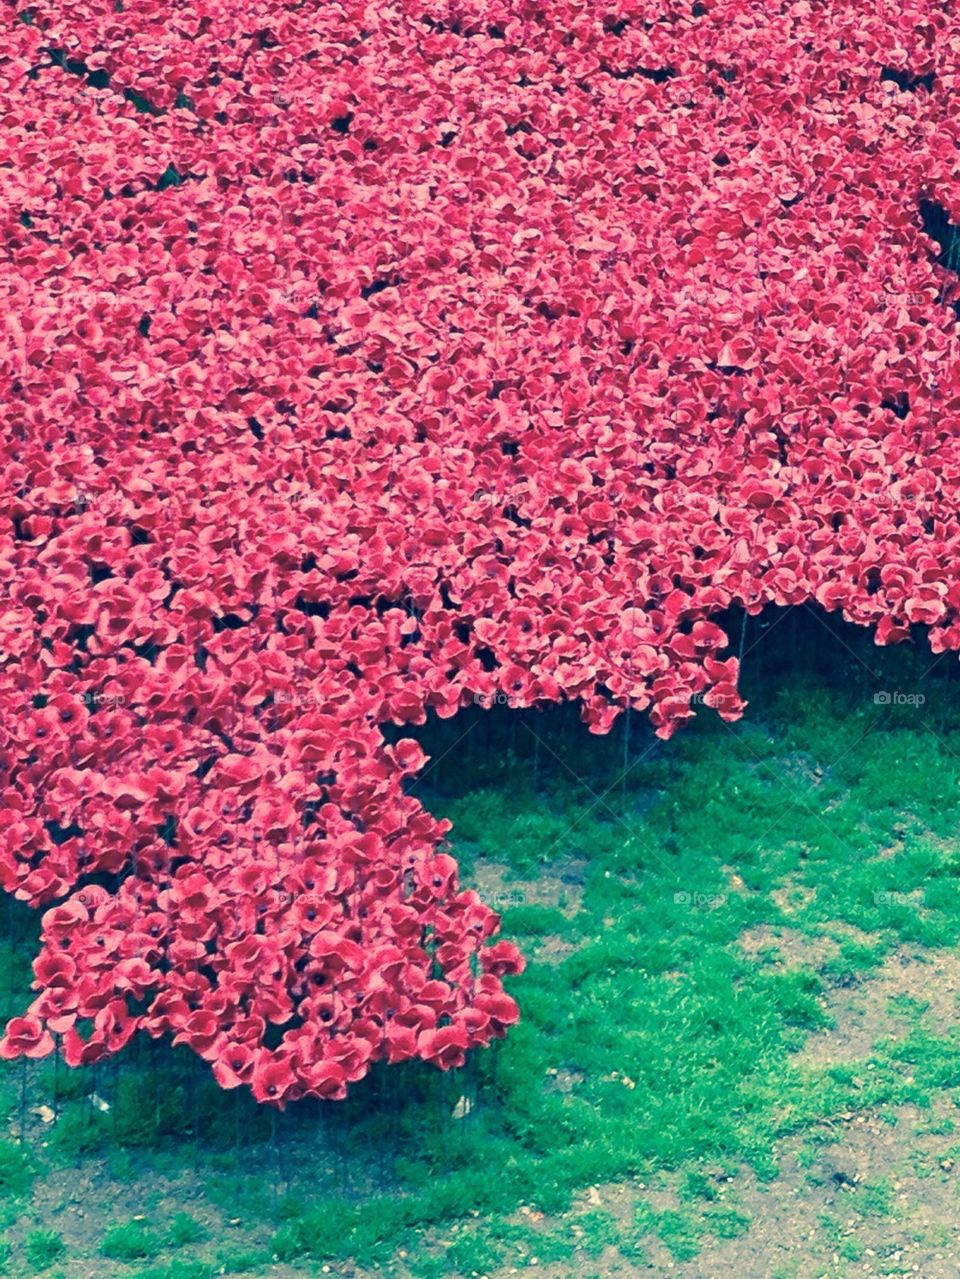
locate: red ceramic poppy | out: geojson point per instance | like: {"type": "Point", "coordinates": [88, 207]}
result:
{"type": "Point", "coordinates": [25, 1037]}
{"type": "Point", "coordinates": [419, 414]}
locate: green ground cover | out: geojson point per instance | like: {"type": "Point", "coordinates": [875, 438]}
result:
{"type": "Point", "coordinates": [741, 945]}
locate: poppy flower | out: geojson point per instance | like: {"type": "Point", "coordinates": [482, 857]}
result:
{"type": "Point", "coordinates": [56, 1007]}
{"type": "Point", "coordinates": [401, 1042]}
{"type": "Point", "coordinates": [80, 1052]}
{"type": "Point", "coordinates": [25, 1037]}
{"type": "Point", "coordinates": [551, 494]}
{"type": "Point", "coordinates": [499, 1008]}
{"type": "Point", "coordinates": [113, 1025]}
{"type": "Point", "coordinates": [233, 1065]}
{"type": "Point", "coordinates": [500, 958]}
{"type": "Point", "coordinates": [445, 1047]}
{"type": "Point", "coordinates": [326, 1079]}
{"type": "Point", "coordinates": [273, 1080]}
{"type": "Point", "coordinates": [353, 1054]}
{"type": "Point", "coordinates": [336, 953]}
{"type": "Point", "coordinates": [202, 1032]}
{"type": "Point", "coordinates": [135, 976]}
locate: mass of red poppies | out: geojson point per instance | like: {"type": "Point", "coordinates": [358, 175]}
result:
{"type": "Point", "coordinates": [361, 362]}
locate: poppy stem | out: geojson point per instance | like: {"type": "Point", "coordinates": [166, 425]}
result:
{"type": "Point", "coordinates": [236, 1144]}
{"type": "Point", "coordinates": [321, 1141]}
{"type": "Point", "coordinates": [466, 1104]}
{"type": "Point", "coordinates": [13, 951]}
{"type": "Point", "coordinates": [626, 758]}
{"type": "Point", "coordinates": [743, 639]}
{"type": "Point", "coordinates": [281, 1151]}
{"type": "Point", "coordinates": [394, 1118]}
{"type": "Point", "coordinates": [23, 1100]}
{"type": "Point", "coordinates": [116, 1092]}
{"type": "Point", "coordinates": [194, 1099]}
{"type": "Point", "coordinates": [334, 1132]}
{"type": "Point", "coordinates": [442, 1115]}
{"type": "Point", "coordinates": [382, 1109]}
{"type": "Point", "coordinates": [793, 637]}
{"type": "Point", "coordinates": [155, 1073]}
{"type": "Point", "coordinates": [276, 1157]}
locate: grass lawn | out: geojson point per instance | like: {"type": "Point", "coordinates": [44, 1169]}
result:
{"type": "Point", "coordinates": [739, 1044]}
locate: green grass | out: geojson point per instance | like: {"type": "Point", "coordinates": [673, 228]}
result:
{"type": "Point", "coordinates": [43, 1247]}
{"type": "Point", "coordinates": [16, 1172]}
{"type": "Point", "coordinates": [874, 1198]}
{"type": "Point", "coordinates": [195, 1268]}
{"type": "Point", "coordinates": [184, 1230]}
{"type": "Point", "coordinates": [652, 1042]}
{"type": "Point", "coordinates": [133, 1241]}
